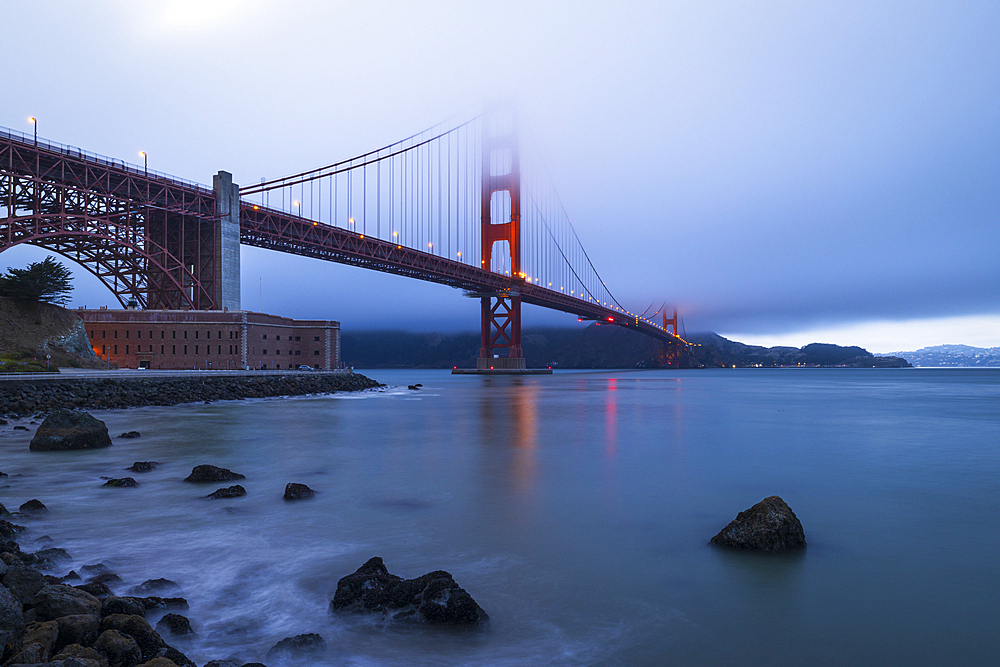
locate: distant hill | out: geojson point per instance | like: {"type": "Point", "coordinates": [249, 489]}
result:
{"type": "Point", "coordinates": [952, 355]}
{"type": "Point", "coordinates": [593, 347]}
{"type": "Point", "coordinates": [30, 330]}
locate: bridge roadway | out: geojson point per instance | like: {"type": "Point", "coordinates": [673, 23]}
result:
{"type": "Point", "coordinates": [136, 188]}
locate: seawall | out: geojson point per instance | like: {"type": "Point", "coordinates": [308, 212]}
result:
{"type": "Point", "coordinates": [25, 398]}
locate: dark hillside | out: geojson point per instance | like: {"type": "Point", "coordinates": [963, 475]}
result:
{"type": "Point", "coordinates": [30, 330]}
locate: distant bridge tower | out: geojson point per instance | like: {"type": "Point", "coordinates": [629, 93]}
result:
{"type": "Point", "coordinates": [671, 349]}
{"type": "Point", "coordinates": [501, 198]}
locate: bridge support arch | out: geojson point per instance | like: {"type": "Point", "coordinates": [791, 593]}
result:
{"type": "Point", "coordinates": [501, 197]}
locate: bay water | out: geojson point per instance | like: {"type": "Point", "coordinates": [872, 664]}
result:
{"type": "Point", "coordinates": [575, 508]}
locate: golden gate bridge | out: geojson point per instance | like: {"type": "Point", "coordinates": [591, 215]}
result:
{"type": "Point", "coordinates": [454, 204]}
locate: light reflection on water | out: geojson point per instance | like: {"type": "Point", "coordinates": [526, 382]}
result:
{"type": "Point", "coordinates": [575, 508]}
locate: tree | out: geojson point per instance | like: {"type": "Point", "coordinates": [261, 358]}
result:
{"type": "Point", "coordinates": [47, 280]}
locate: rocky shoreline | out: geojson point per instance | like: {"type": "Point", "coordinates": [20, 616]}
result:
{"type": "Point", "coordinates": [23, 399]}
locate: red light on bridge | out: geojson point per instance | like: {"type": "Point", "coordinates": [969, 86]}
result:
{"type": "Point", "coordinates": [611, 319]}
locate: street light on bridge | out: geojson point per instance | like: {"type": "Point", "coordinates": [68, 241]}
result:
{"type": "Point", "coordinates": [34, 121]}
{"type": "Point", "coordinates": [145, 163]}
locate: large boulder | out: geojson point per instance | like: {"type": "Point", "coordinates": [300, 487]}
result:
{"type": "Point", "coordinates": [207, 473]}
{"type": "Point", "coordinates": [174, 624]}
{"type": "Point", "coordinates": [23, 582]}
{"type": "Point", "coordinates": [11, 617]}
{"type": "Point", "coordinates": [37, 644]}
{"type": "Point", "coordinates": [120, 649]}
{"type": "Point", "coordinates": [70, 429]}
{"type": "Point", "coordinates": [770, 525]}
{"type": "Point", "coordinates": [78, 629]}
{"type": "Point", "coordinates": [53, 601]}
{"type": "Point", "coordinates": [433, 598]}
{"type": "Point", "coordinates": [83, 655]}
{"type": "Point", "coordinates": [139, 629]}
{"type": "Point", "coordinates": [122, 605]}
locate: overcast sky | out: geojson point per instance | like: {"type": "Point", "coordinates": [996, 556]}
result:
{"type": "Point", "coordinates": [779, 171]}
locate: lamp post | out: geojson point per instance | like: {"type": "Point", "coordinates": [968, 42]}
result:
{"type": "Point", "coordinates": [145, 163]}
{"type": "Point", "coordinates": [34, 121]}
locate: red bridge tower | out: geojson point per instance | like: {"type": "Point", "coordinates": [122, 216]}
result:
{"type": "Point", "coordinates": [501, 198]}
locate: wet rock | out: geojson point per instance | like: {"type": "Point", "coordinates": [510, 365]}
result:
{"type": "Point", "coordinates": [33, 506]}
{"type": "Point", "coordinates": [174, 624]}
{"type": "Point", "coordinates": [94, 569]}
{"type": "Point", "coordinates": [770, 525]}
{"type": "Point", "coordinates": [3, 510]}
{"type": "Point", "coordinates": [70, 429]}
{"type": "Point", "coordinates": [299, 646]}
{"type": "Point", "coordinates": [433, 598]}
{"type": "Point", "coordinates": [158, 662]}
{"type": "Point", "coordinates": [234, 491]}
{"type": "Point", "coordinates": [54, 555]}
{"type": "Point", "coordinates": [23, 582]}
{"type": "Point", "coordinates": [78, 629]}
{"type": "Point", "coordinates": [71, 576]}
{"type": "Point", "coordinates": [11, 617]}
{"type": "Point", "coordinates": [175, 656]}
{"type": "Point", "coordinates": [122, 605]}
{"type": "Point", "coordinates": [139, 629]}
{"type": "Point", "coordinates": [39, 640]}
{"type": "Point", "coordinates": [130, 434]}
{"type": "Point", "coordinates": [84, 655]}
{"type": "Point", "coordinates": [143, 466]}
{"type": "Point", "coordinates": [53, 601]}
{"type": "Point", "coordinates": [95, 588]}
{"type": "Point", "coordinates": [9, 531]}
{"type": "Point", "coordinates": [20, 428]}
{"type": "Point", "coordinates": [295, 491]}
{"type": "Point", "coordinates": [109, 578]}
{"type": "Point", "coordinates": [413, 387]}
{"type": "Point", "coordinates": [221, 663]}
{"type": "Point", "coordinates": [120, 649]}
{"type": "Point", "coordinates": [153, 602]}
{"type": "Point", "coordinates": [208, 473]}
{"type": "Point", "coordinates": [122, 482]}
{"type": "Point", "coordinates": [155, 586]}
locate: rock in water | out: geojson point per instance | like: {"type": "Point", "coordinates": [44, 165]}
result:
{"type": "Point", "coordinates": [130, 434]}
{"type": "Point", "coordinates": [142, 466]}
{"type": "Point", "coordinates": [298, 646]}
{"type": "Point", "coordinates": [234, 491]}
{"type": "Point", "coordinates": [295, 491]}
{"type": "Point", "coordinates": [432, 598]}
{"type": "Point", "coordinates": [34, 506]}
{"type": "Point", "coordinates": [174, 624]}
{"type": "Point", "coordinates": [121, 482]}
{"type": "Point", "coordinates": [155, 586]}
{"type": "Point", "coordinates": [770, 525]}
{"type": "Point", "coordinates": [70, 429]}
{"type": "Point", "coordinates": [207, 473]}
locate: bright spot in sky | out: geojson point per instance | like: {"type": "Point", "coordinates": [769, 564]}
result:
{"type": "Point", "coordinates": [890, 336]}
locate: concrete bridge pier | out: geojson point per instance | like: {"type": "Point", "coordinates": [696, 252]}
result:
{"type": "Point", "coordinates": [227, 243]}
